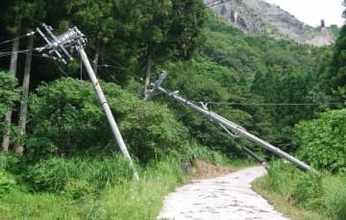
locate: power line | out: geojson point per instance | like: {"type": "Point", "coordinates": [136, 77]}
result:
{"type": "Point", "coordinates": [272, 104]}
{"type": "Point", "coordinates": [17, 38]}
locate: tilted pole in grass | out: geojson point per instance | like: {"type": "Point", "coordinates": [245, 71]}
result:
{"type": "Point", "coordinates": [236, 129]}
{"type": "Point", "coordinates": [74, 39]}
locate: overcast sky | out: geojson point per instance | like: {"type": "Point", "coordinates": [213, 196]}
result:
{"type": "Point", "coordinates": [312, 11]}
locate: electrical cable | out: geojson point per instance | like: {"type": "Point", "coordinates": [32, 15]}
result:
{"type": "Point", "coordinates": [272, 104]}
{"type": "Point", "coordinates": [17, 38]}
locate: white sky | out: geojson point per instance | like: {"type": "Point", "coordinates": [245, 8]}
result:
{"type": "Point", "coordinates": [312, 11]}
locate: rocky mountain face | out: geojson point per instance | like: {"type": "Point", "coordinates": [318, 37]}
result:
{"type": "Point", "coordinates": [257, 17]}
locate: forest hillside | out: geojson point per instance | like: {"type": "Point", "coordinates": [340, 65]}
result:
{"type": "Point", "coordinates": [56, 139]}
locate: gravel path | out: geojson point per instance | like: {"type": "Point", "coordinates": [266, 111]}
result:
{"type": "Point", "coordinates": [223, 198]}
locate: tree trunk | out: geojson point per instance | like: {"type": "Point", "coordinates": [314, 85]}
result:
{"type": "Point", "coordinates": [13, 70]}
{"type": "Point", "coordinates": [147, 75]}
{"type": "Point", "coordinates": [19, 147]}
{"type": "Point", "coordinates": [97, 55]}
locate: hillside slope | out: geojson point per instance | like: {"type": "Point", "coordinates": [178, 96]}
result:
{"type": "Point", "coordinates": [257, 17]}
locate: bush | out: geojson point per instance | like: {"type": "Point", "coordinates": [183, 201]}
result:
{"type": "Point", "coordinates": [78, 176]}
{"type": "Point", "coordinates": [48, 175]}
{"type": "Point", "coordinates": [322, 193]}
{"type": "Point", "coordinates": [308, 191]}
{"type": "Point", "coordinates": [279, 176]}
{"type": "Point", "coordinates": [77, 189]}
{"type": "Point", "coordinates": [8, 95]}
{"type": "Point", "coordinates": [66, 119]}
{"type": "Point", "coordinates": [7, 182]}
{"type": "Point", "coordinates": [322, 141]}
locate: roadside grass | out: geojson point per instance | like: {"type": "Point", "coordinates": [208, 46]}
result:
{"type": "Point", "coordinates": [83, 197]}
{"type": "Point", "coordinates": [301, 195]}
{"type": "Point", "coordinates": [132, 199]}
{"type": "Point", "coordinates": [282, 202]}
{"type": "Point", "coordinates": [22, 205]}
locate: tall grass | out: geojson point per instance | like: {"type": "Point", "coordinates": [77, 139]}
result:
{"type": "Point", "coordinates": [95, 189]}
{"type": "Point", "coordinates": [324, 194]}
{"type": "Point", "coordinates": [137, 200]}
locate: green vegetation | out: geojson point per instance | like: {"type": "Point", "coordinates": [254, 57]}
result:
{"type": "Point", "coordinates": [289, 94]}
{"type": "Point", "coordinates": [304, 195]}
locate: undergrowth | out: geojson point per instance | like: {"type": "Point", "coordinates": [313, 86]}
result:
{"type": "Point", "coordinates": [316, 196]}
{"type": "Point", "coordinates": [98, 188]}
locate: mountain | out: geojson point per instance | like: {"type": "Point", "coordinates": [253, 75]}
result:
{"type": "Point", "coordinates": [257, 17]}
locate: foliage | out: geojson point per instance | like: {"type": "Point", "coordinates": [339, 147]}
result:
{"type": "Point", "coordinates": [321, 141]}
{"type": "Point", "coordinates": [48, 175]}
{"type": "Point", "coordinates": [320, 193]}
{"type": "Point", "coordinates": [335, 195]}
{"type": "Point", "coordinates": [77, 177]}
{"type": "Point", "coordinates": [67, 120]}
{"type": "Point", "coordinates": [308, 191]}
{"type": "Point", "coordinates": [62, 117]}
{"type": "Point", "coordinates": [7, 182]}
{"type": "Point", "coordinates": [137, 199]}
{"type": "Point", "coordinates": [8, 95]}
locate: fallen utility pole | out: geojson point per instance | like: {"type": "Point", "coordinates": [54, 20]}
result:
{"type": "Point", "coordinates": [74, 39]}
{"type": "Point", "coordinates": [236, 129]}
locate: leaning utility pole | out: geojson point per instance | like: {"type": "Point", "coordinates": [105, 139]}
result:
{"type": "Point", "coordinates": [74, 39]}
{"type": "Point", "coordinates": [236, 129]}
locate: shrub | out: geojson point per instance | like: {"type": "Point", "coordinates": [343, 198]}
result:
{"type": "Point", "coordinates": [48, 175]}
{"type": "Point", "coordinates": [8, 95]}
{"type": "Point", "coordinates": [78, 176]}
{"type": "Point", "coordinates": [66, 119]}
{"type": "Point", "coordinates": [308, 191]}
{"type": "Point", "coordinates": [322, 141]}
{"type": "Point", "coordinates": [7, 182]}
{"type": "Point", "coordinates": [77, 189]}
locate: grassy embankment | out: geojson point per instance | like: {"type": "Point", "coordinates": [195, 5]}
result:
{"type": "Point", "coordinates": [304, 196]}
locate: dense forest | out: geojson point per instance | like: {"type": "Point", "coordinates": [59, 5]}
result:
{"type": "Point", "coordinates": [289, 94]}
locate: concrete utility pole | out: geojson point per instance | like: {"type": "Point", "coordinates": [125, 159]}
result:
{"type": "Point", "coordinates": [74, 39]}
{"type": "Point", "coordinates": [236, 129]}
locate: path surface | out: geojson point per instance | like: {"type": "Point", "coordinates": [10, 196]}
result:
{"type": "Point", "coordinates": [223, 198]}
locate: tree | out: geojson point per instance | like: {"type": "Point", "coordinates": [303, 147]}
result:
{"type": "Point", "coordinates": [161, 30]}
{"type": "Point", "coordinates": [8, 95]}
{"type": "Point", "coordinates": [336, 74]}
{"type": "Point", "coordinates": [22, 14]}
{"type": "Point", "coordinates": [19, 148]}
{"type": "Point", "coordinates": [97, 19]}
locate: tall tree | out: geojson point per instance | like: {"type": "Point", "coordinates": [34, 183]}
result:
{"type": "Point", "coordinates": [19, 148]}
{"type": "Point", "coordinates": [21, 14]}
{"type": "Point", "coordinates": [161, 30]}
{"type": "Point", "coordinates": [96, 18]}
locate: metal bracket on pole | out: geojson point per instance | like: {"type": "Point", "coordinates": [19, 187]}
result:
{"type": "Point", "coordinates": [56, 46]}
{"type": "Point", "coordinates": [236, 129]}
{"type": "Point", "coordinates": [154, 86]}
{"type": "Point", "coordinates": [74, 39]}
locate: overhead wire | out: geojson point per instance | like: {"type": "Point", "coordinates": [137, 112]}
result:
{"type": "Point", "coordinates": [17, 38]}
{"type": "Point", "coordinates": [272, 104]}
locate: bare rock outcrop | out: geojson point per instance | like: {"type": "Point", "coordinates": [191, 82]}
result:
{"type": "Point", "coordinates": [257, 17]}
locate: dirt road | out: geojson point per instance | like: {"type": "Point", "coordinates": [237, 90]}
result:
{"type": "Point", "coordinates": [223, 198]}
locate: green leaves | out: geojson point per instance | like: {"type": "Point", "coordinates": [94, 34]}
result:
{"type": "Point", "coordinates": [8, 95]}
{"type": "Point", "coordinates": [66, 119]}
{"type": "Point", "coordinates": [322, 141]}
